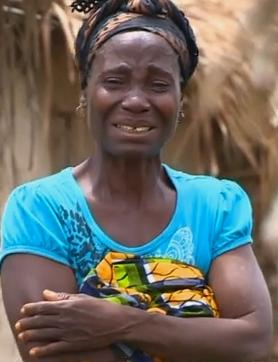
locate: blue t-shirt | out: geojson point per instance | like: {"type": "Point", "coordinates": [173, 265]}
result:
{"type": "Point", "coordinates": [51, 218]}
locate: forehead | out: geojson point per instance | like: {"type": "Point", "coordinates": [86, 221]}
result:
{"type": "Point", "coordinates": [136, 49]}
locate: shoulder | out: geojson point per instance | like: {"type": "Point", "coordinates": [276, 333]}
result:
{"type": "Point", "coordinates": [48, 188]}
{"type": "Point", "coordinates": [32, 219]}
{"type": "Point", "coordinates": [221, 205]}
{"type": "Point", "coordinates": [40, 199]}
{"type": "Point", "coordinates": [222, 199]}
{"type": "Point", "coordinates": [207, 186]}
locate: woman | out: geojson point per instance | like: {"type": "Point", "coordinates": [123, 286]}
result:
{"type": "Point", "coordinates": [135, 57]}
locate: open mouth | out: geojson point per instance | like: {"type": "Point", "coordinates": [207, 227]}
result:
{"type": "Point", "coordinates": [133, 129]}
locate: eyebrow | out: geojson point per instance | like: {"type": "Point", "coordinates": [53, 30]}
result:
{"type": "Point", "coordinates": [156, 69]}
{"type": "Point", "coordinates": [122, 68]}
{"type": "Point", "coordinates": [125, 68]}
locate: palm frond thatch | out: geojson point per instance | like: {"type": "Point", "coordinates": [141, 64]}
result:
{"type": "Point", "coordinates": [26, 79]}
{"type": "Point", "coordinates": [231, 125]}
{"type": "Point", "coordinates": [230, 104]}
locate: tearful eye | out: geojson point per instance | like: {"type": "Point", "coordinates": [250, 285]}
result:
{"type": "Point", "coordinates": [160, 86]}
{"type": "Point", "coordinates": [113, 81]}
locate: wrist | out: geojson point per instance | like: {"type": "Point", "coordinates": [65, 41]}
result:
{"type": "Point", "coordinates": [135, 323]}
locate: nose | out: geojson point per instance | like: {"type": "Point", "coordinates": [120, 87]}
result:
{"type": "Point", "coordinates": [136, 101]}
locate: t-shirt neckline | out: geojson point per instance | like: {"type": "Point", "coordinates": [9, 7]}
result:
{"type": "Point", "coordinates": [116, 245]}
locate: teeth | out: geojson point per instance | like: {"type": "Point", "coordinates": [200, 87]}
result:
{"type": "Point", "coordinates": [142, 129]}
{"type": "Point", "coordinates": [127, 128]}
{"type": "Point", "coordinates": [133, 129]}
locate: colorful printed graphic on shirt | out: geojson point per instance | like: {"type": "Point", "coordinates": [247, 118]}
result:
{"type": "Point", "coordinates": [85, 251]}
{"type": "Point", "coordinates": [180, 247]}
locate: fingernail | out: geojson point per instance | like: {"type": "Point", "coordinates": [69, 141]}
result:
{"type": "Point", "coordinates": [22, 310]}
{"type": "Point", "coordinates": [33, 351]}
{"type": "Point", "coordinates": [21, 336]}
{"type": "Point", "coordinates": [18, 326]}
{"type": "Point", "coordinates": [47, 291]}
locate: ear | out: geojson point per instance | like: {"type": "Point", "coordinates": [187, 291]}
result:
{"type": "Point", "coordinates": [181, 110]}
{"type": "Point", "coordinates": [83, 99]}
{"type": "Point", "coordinates": [182, 101]}
{"type": "Point", "coordinates": [81, 110]}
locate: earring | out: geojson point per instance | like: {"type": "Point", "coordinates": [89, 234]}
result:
{"type": "Point", "coordinates": [81, 109]}
{"type": "Point", "coordinates": [181, 113]}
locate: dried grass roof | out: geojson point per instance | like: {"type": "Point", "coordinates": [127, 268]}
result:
{"type": "Point", "coordinates": [235, 88]}
{"type": "Point", "coordinates": [231, 103]}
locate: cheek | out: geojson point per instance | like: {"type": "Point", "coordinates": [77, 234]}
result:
{"type": "Point", "coordinates": [99, 102]}
{"type": "Point", "coordinates": [101, 108]}
{"type": "Point", "coordinates": [169, 108]}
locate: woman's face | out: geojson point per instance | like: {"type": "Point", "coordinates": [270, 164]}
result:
{"type": "Point", "coordinates": [134, 94]}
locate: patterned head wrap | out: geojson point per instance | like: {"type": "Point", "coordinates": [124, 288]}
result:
{"type": "Point", "coordinates": [110, 17]}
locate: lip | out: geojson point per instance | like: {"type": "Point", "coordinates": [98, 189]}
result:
{"type": "Point", "coordinates": [133, 123]}
{"type": "Point", "coordinates": [122, 125]}
{"type": "Point", "coordinates": [132, 132]}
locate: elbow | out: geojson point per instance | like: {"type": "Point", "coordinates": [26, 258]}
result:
{"type": "Point", "coordinates": [262, 349]}
{"type": "Point", "coordinates": [259, 346]}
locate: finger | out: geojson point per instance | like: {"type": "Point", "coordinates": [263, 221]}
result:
{"type": "Point", "coordinates": [40, 335]}
{"type": "Point", "coordinates": [49, 295]}
{"type": "Point", "coordinates": [51, 349]}
{"type": "Point", "coordinates": [44, 308]}
{"type": "Point", "coordinates": [38, 321]}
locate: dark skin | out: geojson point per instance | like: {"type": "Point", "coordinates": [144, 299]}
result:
{"type": "Point", "coordinates": [124, 183]}
{"type": "Point", "coordinates": [137, 83]}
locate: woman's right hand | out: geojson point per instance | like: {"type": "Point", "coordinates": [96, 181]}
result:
{"type": "Point", "coordinates": [109, 354]}
{"type": "Point", "coordinates": [42, 273]}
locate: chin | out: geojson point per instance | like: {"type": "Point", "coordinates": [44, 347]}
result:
{"type": "Point", "coordinates": [133, 152]}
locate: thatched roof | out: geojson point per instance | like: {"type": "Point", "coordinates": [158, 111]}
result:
{"type": "Point", "coordinates": [234, 88]}
{"type": "Point", "coordinates": [231, 108]}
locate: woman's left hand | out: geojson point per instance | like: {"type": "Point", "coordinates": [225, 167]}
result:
{"type": "Point", "coordinates": [69, 323]}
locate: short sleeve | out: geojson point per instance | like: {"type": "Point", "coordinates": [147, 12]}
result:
{"type": "Point", "coordinates": [234, 221]}
{"type": "Point", "coordinates": [30, 225]}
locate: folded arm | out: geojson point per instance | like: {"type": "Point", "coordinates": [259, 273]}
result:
{"type": "Point", "coordinates": [243, 333]}
{"type": "Point", "coordinates": [24, 277]}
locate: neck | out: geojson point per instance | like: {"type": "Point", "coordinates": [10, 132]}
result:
{"type": "Point", "coordinates": [132, 179]}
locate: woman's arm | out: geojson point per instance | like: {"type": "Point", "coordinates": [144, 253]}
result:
{"type": "Point", "coordinates": [243, 333]}
{"type": "Point", "coordinates": [24, 277]}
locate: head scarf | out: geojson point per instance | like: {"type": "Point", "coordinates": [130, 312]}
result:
{"type": "Point", "coordinates": [110, 17]}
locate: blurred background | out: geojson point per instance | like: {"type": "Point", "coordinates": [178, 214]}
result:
{"type": "Point", "coordinates": [230, 128]}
